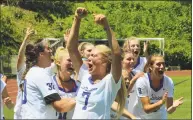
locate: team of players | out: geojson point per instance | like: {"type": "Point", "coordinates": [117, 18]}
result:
{"type": "Point", "coordinates": [101, 80]}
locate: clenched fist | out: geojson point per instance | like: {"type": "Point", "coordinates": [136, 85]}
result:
{"type": "Point", "coordinates": [101, 20]}
{"type": "Point", "coordinates": [80, 12]}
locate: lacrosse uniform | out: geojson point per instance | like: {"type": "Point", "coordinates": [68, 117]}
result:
{"type": "Point", "coordinates": [94, 100]}
{"type": "Point", "coordinates": [128, 102]}
{"type": "Point", "coordinates": [66, 94]}
{"type": "Point", "coordinates": [17, 108]}
{"type": "Point", "coordinates": [139, 67]}
{"type": "Point", "coordinates": [3, 84]}
{"type": "Point", "coordinates": [145, 89]}
{"type": "Point", "coordinates": [51, 70]}
{"type": "Point", "coordinates": [132, 98]}
{"type": "Point", "coordinates": [38, 94]}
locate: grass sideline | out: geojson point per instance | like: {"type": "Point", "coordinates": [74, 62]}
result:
{"type": "Point", "coordinates": [180, 89]}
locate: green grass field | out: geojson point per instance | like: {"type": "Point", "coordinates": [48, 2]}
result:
{"type": "Point", "coordinates": [182, 88]}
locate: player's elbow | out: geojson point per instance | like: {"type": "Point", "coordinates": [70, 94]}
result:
{"type": "Point", "coordinates": [59, 106]}
{"type": "Point", "coordinates": [147, 110]}
{"type": "Point", "coordinates": [56, 105]}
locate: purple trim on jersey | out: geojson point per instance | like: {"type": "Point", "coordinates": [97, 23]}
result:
{"type": "Point", "coordinates": [74, 89]}
{"type": "Point", "coordinates": [138, 62]}
{"type": "Point", "coordinates": [90, 80]}
{"type": "Point", "coordinates": [132, 73]}
{"type": "Point", "coordinates": [24, 101]}
{"type": "Point", "coordinates": [161, 83]}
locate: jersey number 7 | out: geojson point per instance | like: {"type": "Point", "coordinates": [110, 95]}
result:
{"type": "Point", "coordinates": [87, 94]}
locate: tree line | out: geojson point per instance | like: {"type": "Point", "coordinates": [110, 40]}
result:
{"type": "Point", "coordinates": [170, 20]}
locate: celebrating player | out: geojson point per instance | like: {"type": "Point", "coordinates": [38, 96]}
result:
{"type": "Point", "coordinates": [66, 86]}
{"type": "Point", "coordinates": [99, 82]}
{"type": "Point", "coordinates": [155, 90]}
{"type": "Point", "coordinates": [39, 97]}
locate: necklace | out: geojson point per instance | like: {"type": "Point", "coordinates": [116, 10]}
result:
{"type": "Point", "coordinates": [63, 81]}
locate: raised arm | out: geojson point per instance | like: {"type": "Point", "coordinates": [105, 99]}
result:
{"type": "Point", "coordinates": [145, 49]}
{"type": "Point", "coordinates": [116, 66]}
{"type": "Point", "coordinates": [21, 52]}
{"type": "Point", "coordinates": [134, 79]}
{"type": "Point", "coordinates": [72, 42]}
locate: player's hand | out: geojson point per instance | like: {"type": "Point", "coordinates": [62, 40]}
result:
{"type": "Point", "coordinates": [101, 20]}
{"type": "Point", "coordinates": [164, 97]}
{"type": "Point", "coordinates": [145, 46]}
{"type": "Point", "coordinates": [4, 78]}
{"type": "Point", "coordinates": [81, 12]}
{"type": "Point", "coordinates": [178, 102]}
{"type": "Point", "coordinates": [29, 32]}
{"type": "Point", "coordinates": [8, 102]}
{"type": "Point", "coordinates": [66, 35]}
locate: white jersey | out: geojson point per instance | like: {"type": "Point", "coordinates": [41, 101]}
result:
{"type": "Point", "coordinates": [3, 84]}
{"type": "Point", "coordinates": [129, 102]}
{"type": "Point", "coordinates": [17, 108]}
{"type": "Point", "coordinates": [145, 89]}
{"type": "Point", "coordinates": [22, 69]}
{"type": "Point", "coordinates": [51, 69]}
{"type": "Point", "coordinates": [37, 86]}
{"type": "Point", "coordinates": [132, 99]}
{"type": "Point", "coordinates": [20, 73]}
{"type": "Point", "coordinates": [139, 67]}
{"type": "Point", "coordinates": [94, 101]}
{"type": "Point", "coordinates": [65, 94]}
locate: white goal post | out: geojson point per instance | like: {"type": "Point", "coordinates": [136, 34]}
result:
{"type": "Point", "coordinates": [160, 40]}
{"type": "Point", "coordinates": [55, 42]}
{"type": "Point", "coordinates": [161, 43]}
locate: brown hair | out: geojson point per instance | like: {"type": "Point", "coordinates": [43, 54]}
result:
{"type": "Point", "coordinates": [32, 54]}
{"type": "Point", "coordinates": [150, 61]}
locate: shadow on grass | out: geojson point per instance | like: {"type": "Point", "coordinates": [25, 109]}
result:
{"type": "Point", "coordinates": [181, 82]}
